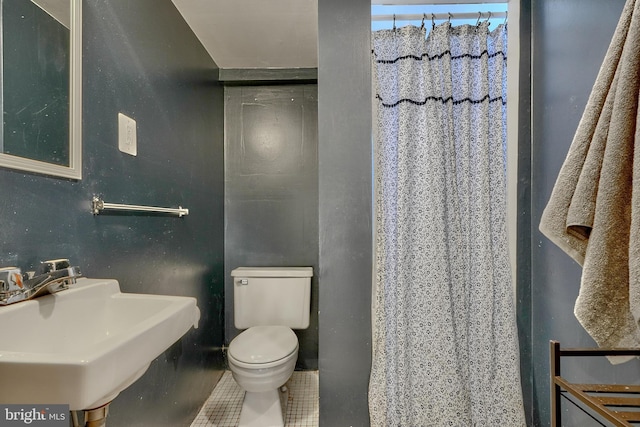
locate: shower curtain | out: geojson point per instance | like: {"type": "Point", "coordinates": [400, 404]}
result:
{"type": "Point", "coordinates": [445, 350]}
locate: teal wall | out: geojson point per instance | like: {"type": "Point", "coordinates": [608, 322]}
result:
{"type": "Point", "coordinates": [166, 81]}
{"type": "Point", "coordinates": [271, 190]}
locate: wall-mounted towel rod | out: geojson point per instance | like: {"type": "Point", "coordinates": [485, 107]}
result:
{"type": "Point", "coordinates": [97, 205]}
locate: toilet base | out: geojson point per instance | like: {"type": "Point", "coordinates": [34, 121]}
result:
{"type": "Point", "coordinates": [264, 409]}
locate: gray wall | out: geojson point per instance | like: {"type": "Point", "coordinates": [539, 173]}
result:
{"type": "Point", "coordinates": [570, 38]}
{"type": "Point", "coordinates": [271, 190]}
{"type": "Point", "coordinates": [344, 148]}
{"type": "Point", "coordinates": [164, 80]}
{"type": "Point", "coordinates": [523, 245]}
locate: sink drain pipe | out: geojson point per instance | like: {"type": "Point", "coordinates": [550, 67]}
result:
{"type": "Point", "coordinates": [96, 417]}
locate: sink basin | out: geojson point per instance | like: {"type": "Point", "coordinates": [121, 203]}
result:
{"type": "Point", "coordinates": [84, 345]}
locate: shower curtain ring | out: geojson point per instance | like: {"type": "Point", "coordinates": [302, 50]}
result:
{"type": "Point", "coordinates": [479, 18]}
{"type": "Point", "coordinates": [506, 16]}
{"type": "Point", "coordinates": [424, 15]}
{"type": "Point", "coordinates": [433, 21]}
{"type": "Point", "coordinates": [394, 22]}
{"type": "Point", "coordinates": [450, 16]}
{"type": "Point", "coordinates": [489, 18]}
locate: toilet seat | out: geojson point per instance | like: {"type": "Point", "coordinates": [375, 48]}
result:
{"type": "Point", "coordinates": [260, 347]}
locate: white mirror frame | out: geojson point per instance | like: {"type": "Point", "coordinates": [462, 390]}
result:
{"type": "Point", "coordinates": [74, 170]}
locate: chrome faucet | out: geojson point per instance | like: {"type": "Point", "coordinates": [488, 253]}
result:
{"type": "Point", "coordinates": [50, 277]}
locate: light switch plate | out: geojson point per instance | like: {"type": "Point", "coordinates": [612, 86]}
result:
{"type": "Point", "coordinates": [127, 139]}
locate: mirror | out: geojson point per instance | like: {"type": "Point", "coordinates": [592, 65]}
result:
{"type": "Point", "coordinates": [41, 97]}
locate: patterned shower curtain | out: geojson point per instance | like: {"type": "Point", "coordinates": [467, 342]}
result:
{"type": "Point", "coordinates": [445, 350]}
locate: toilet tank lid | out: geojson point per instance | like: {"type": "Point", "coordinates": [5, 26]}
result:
{"type": "Point", "coordinates": [272, 272]}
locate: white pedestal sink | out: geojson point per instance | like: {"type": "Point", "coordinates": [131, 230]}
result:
{"type": "Point", "coordinates": [84, 345]}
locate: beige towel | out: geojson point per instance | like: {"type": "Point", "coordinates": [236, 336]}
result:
{"type": "Point", "coordinates": [594, 210]}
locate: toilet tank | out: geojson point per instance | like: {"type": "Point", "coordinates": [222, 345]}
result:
{"type": "Point", "coordinates": [264, 296]}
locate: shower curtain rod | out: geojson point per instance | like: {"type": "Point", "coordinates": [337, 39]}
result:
{"type": "Point", "coordinates": [440, 16]}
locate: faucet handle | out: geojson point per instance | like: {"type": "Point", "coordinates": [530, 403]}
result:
{"type": "Point", "coordinates": [52, 265]}
{"type": "Point", "coordinates": [10, 279]}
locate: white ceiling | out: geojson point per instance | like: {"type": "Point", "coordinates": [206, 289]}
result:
{"type": "Point", "coordinates": [255, 33]}
{"type": "Point", "coordinates": [60, 10]}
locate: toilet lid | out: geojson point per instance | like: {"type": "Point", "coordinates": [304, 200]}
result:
{"type": "Point", "coordinates": [263, 344]}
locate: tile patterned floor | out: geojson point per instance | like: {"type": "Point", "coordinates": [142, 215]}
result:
{"type": "Point", "coordinates": [222, 409]}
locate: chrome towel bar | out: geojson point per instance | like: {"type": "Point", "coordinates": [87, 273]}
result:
{"type": "Point", "coordinates": [97, 205]}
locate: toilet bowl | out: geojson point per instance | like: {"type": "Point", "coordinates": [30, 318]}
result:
{"type": "Point", "coordinates": [261, 360]}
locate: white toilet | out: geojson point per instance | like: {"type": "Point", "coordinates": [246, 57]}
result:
{"type": "Point", "coordinates": [268, 302]}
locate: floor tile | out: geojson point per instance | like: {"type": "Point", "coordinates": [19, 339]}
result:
{"type": "Point", "coordinates": [222, 409]}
